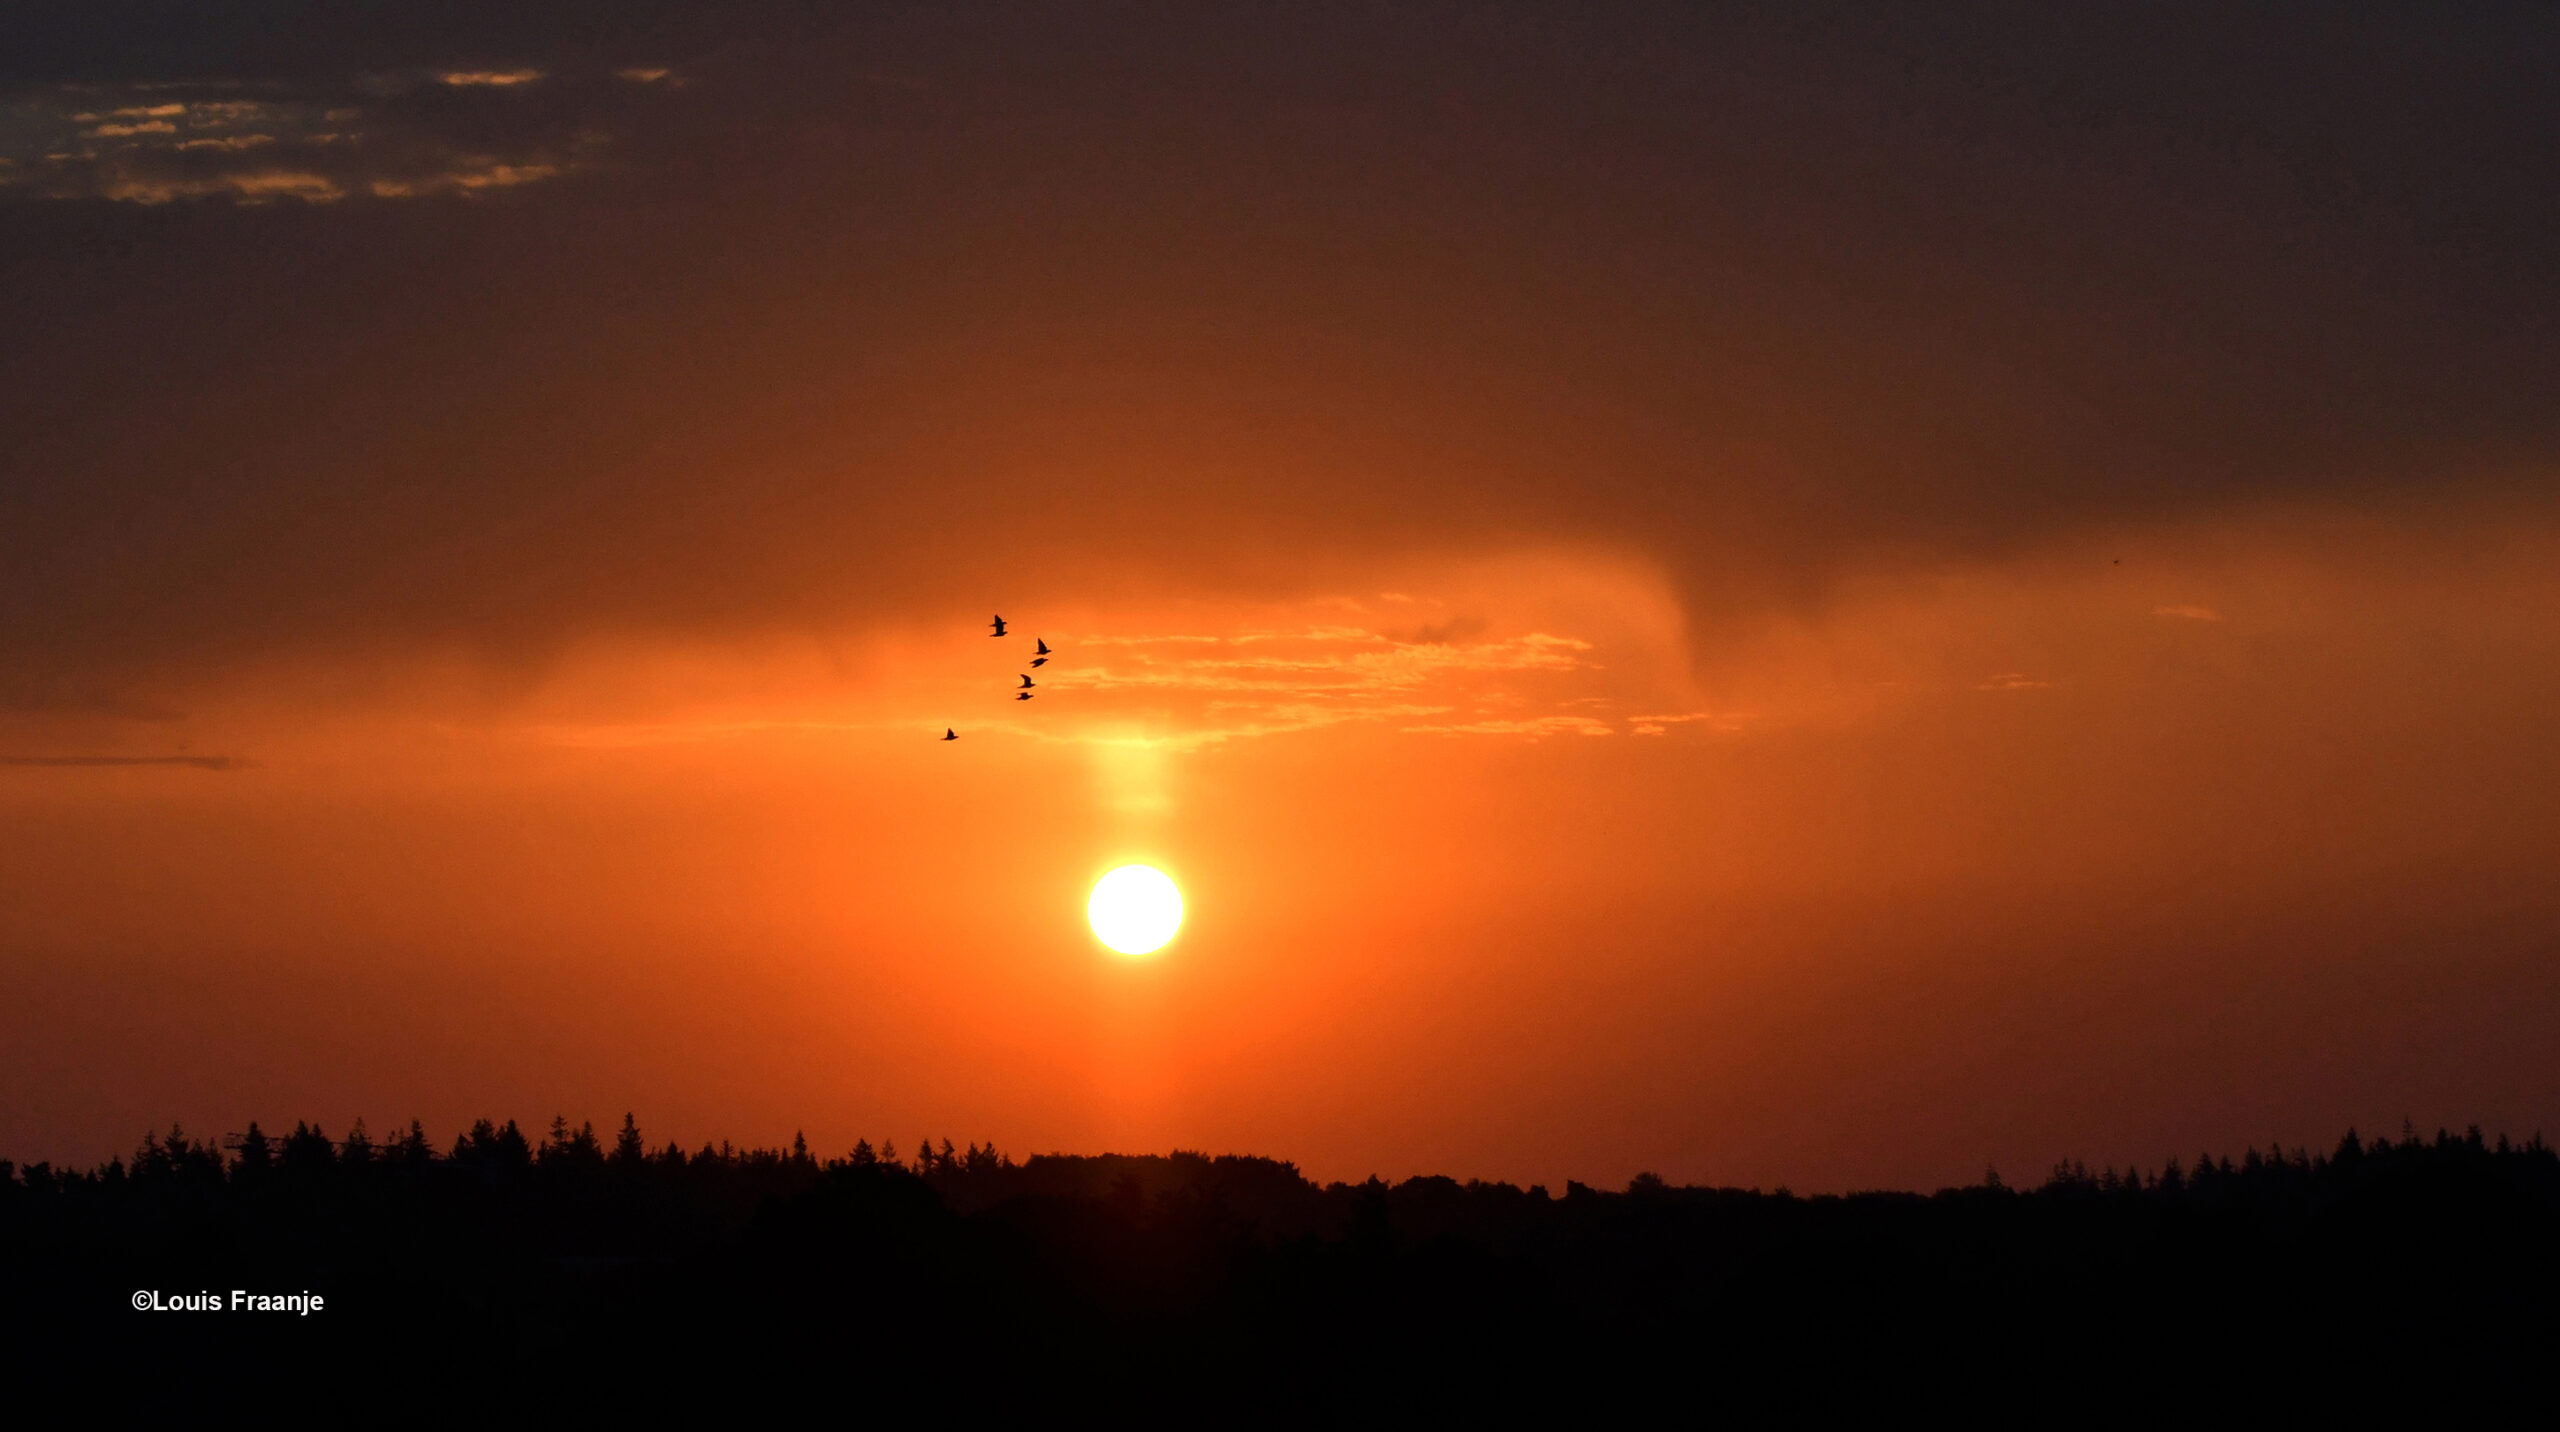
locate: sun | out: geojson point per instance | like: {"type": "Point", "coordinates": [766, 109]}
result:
{"type": "Point", "coordinates": [1135, 909]}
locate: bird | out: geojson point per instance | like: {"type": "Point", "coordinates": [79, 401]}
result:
{"type": "Point", "coordinates": [950, 735]}
{"type": "Point", "coordinates": [1043, 644]}
{"type": "Point", "coordinates": [1022, 696]}
{"type": "Point", "coordinates": [1026, 683]}
{"type": "Point", "coordinates": [1039, 661]}
{"type": "Point", "coordinates": [999, 627]}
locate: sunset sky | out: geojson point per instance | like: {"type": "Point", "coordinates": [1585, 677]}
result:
{"type": "Point", "coordinates": [1810, 594]}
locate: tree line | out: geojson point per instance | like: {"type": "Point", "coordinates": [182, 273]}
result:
{"type": "Point", "coordinates": [505, 1250]}
{"type": "Point", "coordinates": [978, 1176]}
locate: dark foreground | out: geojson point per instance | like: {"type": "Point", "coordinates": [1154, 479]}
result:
{"type": "Point", "coordinates": [575, 1267]}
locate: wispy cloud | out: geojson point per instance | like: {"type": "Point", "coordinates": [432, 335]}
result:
{"type": "Point", "coordinates": [1661, 724]}
{"type": "Point", "coordinates": [251, 185]}
{"type": "Point", "coordinates": [2188, 613]}
{"type": "Point", "coordinates": [488, 79]}
{"type": "Point", "coordinates": [482, 174]}
{"type": "Point", "coordinates": [1273, 680]}
{"type": "Point", "coordinates": [315, 144]}
{"type": "Point", "coordinates": [1321, 662]}
{"type": "Point", "coordinates": [1188, 690]}
{"type": "Point", "coordinates": [1534, 726]}
{"type": "Point", "coordinates": [2011, 681]}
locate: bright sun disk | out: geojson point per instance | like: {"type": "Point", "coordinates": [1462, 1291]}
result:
{"type": "Point", "coordinates": [1135, 909]}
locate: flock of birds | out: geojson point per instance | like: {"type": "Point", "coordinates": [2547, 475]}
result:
{"type": "Point", "coordinates": [1039, 658]}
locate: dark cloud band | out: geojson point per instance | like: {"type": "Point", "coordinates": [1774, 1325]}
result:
{"type": "Point", "coordinates": [789, 312]}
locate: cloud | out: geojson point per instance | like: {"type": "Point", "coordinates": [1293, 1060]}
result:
{"type": "Point", "coordinates": [1278, 680]}
{"type": "Point", "coordinates": [1536, 726]}
{"type": "Point", "coordinates": [485, 174]}
{"type": "Point", "coordinates": [1205, 305]}
{"type": "Point", "coordinates": [1453, 630]}
{"type": "Point", "coordinates": [252, 185]}
{"type": "Point", "coordinates": [2189, 613]}
{"type": "Point", "coordinates": [316, 142]}
{"type": "Point", "coordinates": [1347, 665]}
{"type": "Point", "coordinates": [2012, 681]}
{"type": "Point", "coordinates": [488, 79]}
{"type": "Point", "coordinates": [1659, 724]}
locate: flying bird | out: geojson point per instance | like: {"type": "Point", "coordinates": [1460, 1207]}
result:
{"type": "Point", "coordinates": [1022, 696]}
{"type": "Point", "coordinates": [1043, 645]}
{"type": "Point", "coordinates": [999, 627]}
{"type": "Point", "coordinates": [1026, 683]}
{"type": "Point", "coordinates": [950, 735]}
{"type": "Point", "coordinates": [1039, 661]}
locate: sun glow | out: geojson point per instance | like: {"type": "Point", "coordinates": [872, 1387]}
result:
{"type": "Point", "coordinates": [1135, 909]}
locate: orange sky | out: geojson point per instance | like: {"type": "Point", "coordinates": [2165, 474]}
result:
{"type": "Point", "coordinates": [1775, 604]}
{"type": "Point", "coordinates": [1990, 865]}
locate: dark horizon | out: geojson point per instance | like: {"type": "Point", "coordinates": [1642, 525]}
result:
{"type": "Point", "coordinates": [2280, 1280]}
{"type": "Point", "coordinates": [257, 1149]}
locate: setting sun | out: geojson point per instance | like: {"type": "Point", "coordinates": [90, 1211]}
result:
{"type": "Point", "coordinates": [1135, 909]}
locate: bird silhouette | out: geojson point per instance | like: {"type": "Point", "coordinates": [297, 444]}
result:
{"type": "Point", "coordinates": [1026, 683]}
{"type": "Point", "coordinates": [950, 735]}
{"type": "Point", "coordinates": [999, 627]}
{"type": "Point", "coordinates": [1039, 661]}
{"type": "Point", "coordinates": [1043, 644]}
{"type": "Point", "coordinates": [1022, 696]}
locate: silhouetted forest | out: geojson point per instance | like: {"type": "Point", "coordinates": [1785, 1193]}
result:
{"type": "Point", "coordinates": [2286, 1271]}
